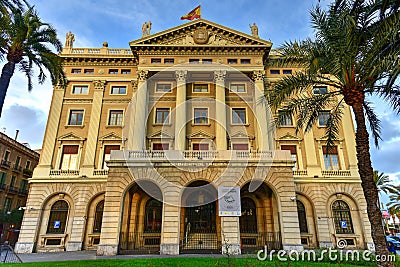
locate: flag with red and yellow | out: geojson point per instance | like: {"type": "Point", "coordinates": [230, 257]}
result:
{"type": "Point", "coordinates": [194, 14]}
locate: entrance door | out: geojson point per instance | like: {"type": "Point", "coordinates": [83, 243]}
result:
{"type": "Point", "coordinates": [202, 219]}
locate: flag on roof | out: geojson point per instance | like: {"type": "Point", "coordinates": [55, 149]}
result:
{"type": "Point", "coordinates": [194, 14]}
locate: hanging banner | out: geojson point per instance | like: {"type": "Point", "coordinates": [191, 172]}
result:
{"type": "Point", "coordinates": [229, 201]}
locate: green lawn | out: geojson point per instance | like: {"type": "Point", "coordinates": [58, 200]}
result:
{"type": "Point", "coordinates": [182, 262]}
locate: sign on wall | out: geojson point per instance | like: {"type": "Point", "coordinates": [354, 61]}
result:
{"type": "Point", "coordinates": [229, 201]}
{"type": "Point", "coordinates": [57, 224]}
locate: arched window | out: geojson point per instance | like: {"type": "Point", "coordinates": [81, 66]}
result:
{"type": "Point", "coordinates": [248, 220]}
{"type": "Point", "coordinates": [98, 217]}
{"type": "Point", "coordinates": [58, 217]}
{"type": "Point", "coordinates": [301, 213]}
{"type": "Point", "coordinates": [342, 217]}
{"type": "Point", "coordinates": [153, 216]}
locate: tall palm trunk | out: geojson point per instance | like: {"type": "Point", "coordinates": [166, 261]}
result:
{"type": "Point", "coordinates": [6, 74]}
{"type": "Point", "coordinates": [368, 184]}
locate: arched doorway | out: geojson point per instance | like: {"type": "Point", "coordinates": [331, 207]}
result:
{"type": "Point", "coordinates": [259, 220]}
{"type": "Point", "coordinates": [141, 220]}
{"type": "Point", "coordinates": [200, 224]}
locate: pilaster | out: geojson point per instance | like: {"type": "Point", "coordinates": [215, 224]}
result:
{"type": "Point", "coordinates": [140, 114]}
{"type": "Point", "coordinates": [220, 112]}
{"type": "Point", "coordinates": [180, 110]}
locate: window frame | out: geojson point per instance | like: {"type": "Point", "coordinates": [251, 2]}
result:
{"type": "Point", "coordinates": [319, 87]}
{"type": "Point", "coordinates": [64, 212]}
{"type": "Point", "coordinates": [320, 114]}
{"type": "Point", "coordinates": [88, 71]}
{"type": "Point", "coordinates": [156, 61]}
{"type": "Point", "coordinates": [200, 146]}
{"type": "Point", "coordinates": [104, 164]}
{"type": "Point", "coordinates": [240, 144]}
{"type": "Point", "coordinates": [97, 222]}
{"type": "Point", "coordinates": [163, 83]}
{"type": "Point", "coordinates": [164, 146]}
{"type": "Point", "coordinates": [285, 116]}
{"type": "Point", "coordinates": [207, 117]}
{"type": "Point", "coordinates": [303, 226]}
{"type": "Point", "coordinates": [168, 116]}
{"type": "Point", "coordinates": [294, 156]}
{"type": "Point", "coordinates": [342, 214]}
{"type": "Point", "coordinates": [118, 86]}
{"type": "Point", "coordinates": [236, 84]}
{"type": "Point", "coordinates": [76, 71]}
{"type": "Point", "coordinates": [200, 84]}
{"type": "Point", "coordinates": [81, 86]}
{"type": "Point", "coordinates": [126, 71]}
{"type": "Point", "coordinates": [69, 164]}
{"type": "Point", "coordinates": [121, 112]}
{"type": "Point", "coordinates": [76, 110]}
{"type": "Point", "coordinates": [113, 71]}
{"type": "Point", "coordinates": [328, 157]}
{"type": "Point", "coordinates": [232, 61]}
{"type": "Point", "coordinates": [232, 116]}
{"type": "Point", "coordinates": [274, 71]}
{"type": "Point", "coordinates": [169, 61]}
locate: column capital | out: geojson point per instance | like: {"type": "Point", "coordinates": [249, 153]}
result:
{"type": "Point", "coordinates": [134, 85]}
{"type": "Point", "coordinates": [219, 75]}
{"type": "Point", "coordinates": [258, 75]}
{"type": "Point", "coordinates": [181, 76]}
{"type": "Point", "coordinates": [142, 75]}
{"type": "Point", "coordinates": [99, 85]}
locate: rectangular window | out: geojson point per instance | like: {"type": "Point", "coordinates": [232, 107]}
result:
{"type": "Point", "coordinates": [200, 116]}
{"type": "Point", "coordinates": [163, 87]}
{"type": "Point", "coordinates": [206, 61]}
{"type": "Point", "coordinates": [162, 115]}
{"type": "Point", "coordinates": [76, 71]}
{"type": "Point", "coordinates": [245, 61]}
{"type": "Point", "coordinates": [75, 117]}
{"type": "Point", "coordinates": [160, 146]}
{"type": "Point", "coordinates": [3, 177]}
{"type": "Point", "coordinates": [274, 72]}
{"type": "Point", "coordinates": [323, 118]}
{"type": "Point", "coordinates": [285, 119]}
{"type": "Point", "coordinates": [156, 61]}
{"type": "Point", "coordinates": [293, 153]}
{"type": "Point", "coordinates": [7, 204]}
{"type": "Point", "coordinates": [107, 154]}
{"type": "Point", "coordinates": [17, 161]}
{"type": "Point", "coordinates": [200, 146]}
{"type": "Point", "coordinates": [12, 182]}
{"type": "Point", "coordinates": [232, 61]}
{"type": "Point", "coordinates": [194, 61]}
{"type": "Point", "coordinates": [28, 165]}
{"type": "Point", "coordinates": [287, 72]}
{"type": "Point", "coordinates": [115, 117]}
{"type": "Point", "coordinates": [169, 61]}
{"type": "Point", "coordinates": [6, 155]}
{"type": "Point", "coordinates": [331, 158]}
{"type": "Point", "coordinates": [118, 90]}
{"type": "Point", "coordinates": [238, 87]}
{"type": "Point", "coordinates": [239, 115]}
{"type": "Point", "coordinates": [320, 90]}
{"type": "Point", "coordinates": [240, 146]}
{"type": "Point", "coordinates": [200, 88]}
{"type": "Point", "coordinates": [125, 71]}
{"type": "Point", "coordinates": [23, 186]}
{"type": "Point", "coordinates": [113, 71]}
{"type": "Point", "coordinates": [69, 159]}
{"type": "Point", "coordinates": [80, 89]}
{"type": "Point", "coordinates": [88, 71]}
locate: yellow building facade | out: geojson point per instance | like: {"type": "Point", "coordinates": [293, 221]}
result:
{"type": "Point", "coordinates": [142, 141]}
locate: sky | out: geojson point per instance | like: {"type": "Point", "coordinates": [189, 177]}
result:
{"type": "Point", "coordinates": [119, 22]}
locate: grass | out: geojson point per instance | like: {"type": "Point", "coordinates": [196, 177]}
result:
{"type": "Point", "coordinates": [181, 262]}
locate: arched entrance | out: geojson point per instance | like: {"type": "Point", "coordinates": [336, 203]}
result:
{"type": "Point", "coordinates": [259, 220]}
{"type": "Point", "coordinates": [141, 220]}
{"type": "Point", "coordinates": [200, 224]}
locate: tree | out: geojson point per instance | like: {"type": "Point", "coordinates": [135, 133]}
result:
{"type": "Point", "coordinates": [355, 53]}
{"type": "Point", "coordinates": [383, 184]}
{"type": "Point", "coordinates": [28, 44]}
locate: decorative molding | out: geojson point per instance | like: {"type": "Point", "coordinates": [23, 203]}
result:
{"type": "Point", "coordinates": [99, 85]}
{"type": "Point", "coordinates": [116, 101]}
{"type": "Point", "coordinates": [201, 134]}
{"type": "Point", "coordinates": [160, 135]}
{"type": "Point", "coordinates": [142, 75]}
{"type": "Point", "coordinates": [111, 137]}
{"type": "Point", "coordinates": [258, 75]}
{"type": "Point", "coordinates": [134, 85]}
{"type": "Point", "coordinates": [70, 137]}
{"type": "Point", "coordinates": [181, 76]}
{"type": "Point", "coordinates": [219, 76]}
{"type": "Point", "coordinates": [77, 101]}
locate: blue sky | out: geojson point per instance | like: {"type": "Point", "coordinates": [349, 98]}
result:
{"type": "Point", "coordinates": [119, 22]}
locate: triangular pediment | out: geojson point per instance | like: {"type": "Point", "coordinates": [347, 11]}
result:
{"type": "Point", "coordinates": [160, 135]}
{"type": "Point", "coordinates": [70, 137]}
{"type": "Point", "coordinates": [288, 137]}
{"type": "Point", "coordinates": [200, 33]}
{"type": "Point", "coordinates": [111, 137]}
{"type": "Point", "coordinates": [241, 134]}
{"type": "Point", "coordinates": [201, 134]}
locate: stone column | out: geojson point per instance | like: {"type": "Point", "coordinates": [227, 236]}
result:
{"type": "Point", "coordinates": [180, 110]}
{"type": "Point", "coordinates": [264, 125]}
{"type": "Point", "coordinates": [140, 117]}
{"type": "Point", "coordinates": [313, 169]}
{"type": "Point", "coordinates": [220, 110]}
{"type": "Point", "coordinates": [97, 106]}
{"type": "Point", "coordinates": [171, 222]}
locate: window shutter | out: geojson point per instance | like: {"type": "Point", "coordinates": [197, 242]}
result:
{"type": "Point", "coordinates": [332, 151]}
{"type": "Point", "coordinates": [291, 148]}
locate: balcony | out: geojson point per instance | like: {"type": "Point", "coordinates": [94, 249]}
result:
{"type": "Point", "coordinates": [17, 168]}
{"type": "Point", "coordinates": [27, 173]}
{"type": "Point", "coordinates": [5, 163]}
{"type": "Point", "coordinates": [101, 172]}
{"type": "Point", "coordinates": [12, 189]}
{"type": "Point", "coordinates": [64, 172]}
{"type": "Point", "coordinates": [300, 173]}
{"type": "Point", "coordinates": [23, 192]}
{"type": "Point", "coordinates": [329, 173]}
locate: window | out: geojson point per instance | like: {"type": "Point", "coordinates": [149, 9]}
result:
{"type": "Point", "coordinates": [125, 71]}
{"type": "Point", "coordinates": [162, 115]}
{"type": "Point", "coordinates": [323, 118]}
{"type": "Point", "coordinates": [153, 216]}
{"type": "Point", "coordinates": [169, 61]}
{"type": "Point", "coordinates": [17, 161]}
{"type": "Point", "coordinates": [200, 88]}
{"type": "Point", "coordinates": [115, 117]}
{"type": "Point", "coordinates": [293, 153]}
{"type": "Point", "coordinates": [3, 177]}
{"type": "Point", "coordinates": [58, 217]}
{"type": "Point", "coordinates": [69, 159]}
{"type": "Point", "coordinates": [287, 72]}
{"type": "Point", "coordinates": [200, 147]}
{"type": "Point", "coordinates": [12, 182]}
{"type": "Point", "coordinates": [76, 71]}
{"type": "Point", "coordinates": [159, 146]}
{"type": "Point", "coordinates": [240, 146]}
{"type": "Point", "coordinates": [194, 61]}
{"type": "Point", "coordinates": [245, 61]}
{"type": "Point", "coordinates": [113, 71]}
{"type": "Point", "coordinates": [320, 90]}
{"type": "Point", "coordinates": [238, 87]}
{"type": "Point", "coordinates": [200, 116]}
{"type": "Point", "coordinates": [6, 155]}
{"type": "Point", "coordinates": [28, 164]}
{"type": "Point", "coordinates": [331, 158]}
{"type": "Point", "coordinates": [232, 61]}
{"type": "Point", "coordinates": [206, 61]}
{"type": "Point", "coordinates": [75, 117]}
{"type": "Point", "coordinates": [118, 90]}
{"type": "Point", "coordinates": [98, 217]}
{"type": "Point", "coordinates": [342, 217]}
{"type": "Point", "coordinates": [156, 61]}
{"type": "Point", "coordinates": [285, 119]}
{"type": "Point", "coordinates": [239, 115]}
{"type": "Point", "coordinates": [23, 186]}
{"type": "Point", "coordinates": [80, 89]}
{"type": "Point", "coordinates": [274, 72]}
{"type": "Point", "coordinates": [7, 204]}
{"type": "Point", "coordinates": [107, 154]}
{"type": "Point", "coordinates": [248, 220]}
{"type": "Point", "coordinates": [88, 71]}
{"type": "Point", "coordinates": [163, 87]}
{"type": "Point", "coordinates": [301, 213]}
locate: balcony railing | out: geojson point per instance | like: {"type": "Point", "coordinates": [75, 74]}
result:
{"type": "Point", "coordinates": [336, 173]}
{"type": "Point", "coordinates": [13, 189]}
{"type": "Point", "coordinates": [300, 173]}
{"type": "Point", "coordinates": [17, 168]}
{"type": "Point", "coordinates": [100, 172]}
{"type": "Point", "coordinates": [64, 172]}
{"type": "Point", "coordinates": [5, 163]}
{"type": "Point", "coordinates": [27, 172]}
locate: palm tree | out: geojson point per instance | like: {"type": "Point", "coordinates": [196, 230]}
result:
{"type": "Point", "coordinates": [383, 183]}
{"type": "Point", "coordinates": [355, 54]}
{"type": "Point", "coordinates": [27, 45]}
